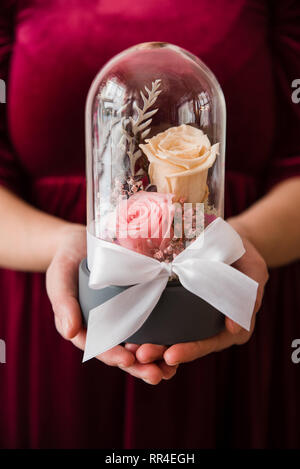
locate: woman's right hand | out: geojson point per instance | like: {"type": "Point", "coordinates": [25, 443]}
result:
{"type": "Point", "coordinates": [62, 281]}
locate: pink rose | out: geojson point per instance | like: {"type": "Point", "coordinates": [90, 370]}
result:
{"type": "Point", "coordinates": [143, 222]}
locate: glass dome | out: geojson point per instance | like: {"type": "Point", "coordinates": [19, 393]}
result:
{"type": "Point", "coordinates": [155, 136]}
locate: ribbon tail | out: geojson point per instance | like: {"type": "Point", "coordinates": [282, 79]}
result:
{"type": "Point", "coordinates": [118, 318]}
{"type": "Point", "coordinates": [224, 287]}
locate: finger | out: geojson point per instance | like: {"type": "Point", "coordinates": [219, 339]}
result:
{"type": "Point", "coordinates": [117, 356]}
{"type": "Point", "coordinates": [150, 373]}
{"type": "Point", "coordinates": [167, 370]}
{"type": "Point", "coordinates": [132, 347]}
{"type": "Point", "coordinates": [189, 351]}
{"type": "Point", "coordinates": [232, 326]}
{"type": "Point", "coordinates": [80, 339]}
{"type": "Point", "coordinates": [68, 318]}
{"type": "Point", "coordinates": [120, 356]}
{"type": "Point", "coordinates": [61, 282]}
{"type": "Point", "coordinates": [148, 353]}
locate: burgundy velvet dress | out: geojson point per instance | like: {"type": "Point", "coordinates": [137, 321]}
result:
{"type": "Point", "coordinates": [49, 53]}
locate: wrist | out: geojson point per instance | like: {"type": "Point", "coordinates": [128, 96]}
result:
{"type": "Point", "coordinates": [243, 228]}
{"type": "Point", "coordinates": [71, 240]}
{"type": "Point", "coordinates": [61, 236]}
{"type": "Point", "coordinates": [67, 228]}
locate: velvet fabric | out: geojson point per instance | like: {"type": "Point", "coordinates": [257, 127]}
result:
{"type": "Point", "coordinates": [50, 51]}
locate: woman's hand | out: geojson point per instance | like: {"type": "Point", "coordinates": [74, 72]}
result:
{"type": "Point", "coordinates": [152, 363]}
{"type": "Point", "coordinates": [61, 281]}
{"type": "Point", "coordinates": [253, 265]}
{"type": "Point", "coordinates": [271, 226]}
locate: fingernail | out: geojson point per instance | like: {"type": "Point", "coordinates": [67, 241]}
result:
{"type": "Point", "coordinates": [172, 363]}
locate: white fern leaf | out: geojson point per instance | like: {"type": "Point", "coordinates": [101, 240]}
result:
{"type": "Point", "coordinates": [133, 159]}
{"type": "Point", "coordinates": [132, 121]}
{"type": "Point", "coordinates": [144, 125]}
{"type": "Point", "coordinates": [135, 106]}
{"type": "Point", "coordinates": [149, 114]}
{"type": "Point", "coordinates": [143, 97]}
{"type": "Point", "coordinates": [141, 124]}
{"type": "Point", "coordinates": [145, 133]}
{"type": "Point", "coordinates": [137, 154]}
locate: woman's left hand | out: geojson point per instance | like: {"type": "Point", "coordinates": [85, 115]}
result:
{"type": "Point", "coordinates": [251, 264]}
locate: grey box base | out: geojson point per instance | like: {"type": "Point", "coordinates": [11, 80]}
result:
{"type": "Point", "coordinates": [179, 316]}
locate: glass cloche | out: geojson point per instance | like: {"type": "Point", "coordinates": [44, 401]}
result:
{"type": "Point", "coordinates": [155, 136]}
{"type": "Point", "coordinates": [155, 133]}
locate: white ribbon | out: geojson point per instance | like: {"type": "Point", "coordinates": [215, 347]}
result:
{"type": "Point", "coordinates": [202, 268]}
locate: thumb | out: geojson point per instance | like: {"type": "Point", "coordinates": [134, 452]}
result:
{"type": "Point", "coordinates": [61, 284]}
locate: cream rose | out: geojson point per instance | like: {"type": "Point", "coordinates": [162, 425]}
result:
{"type": "Point", "coordinates": [179, 161]}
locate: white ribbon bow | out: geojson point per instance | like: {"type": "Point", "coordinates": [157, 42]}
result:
{"type": "Point", "coordinates": [202, 268]}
